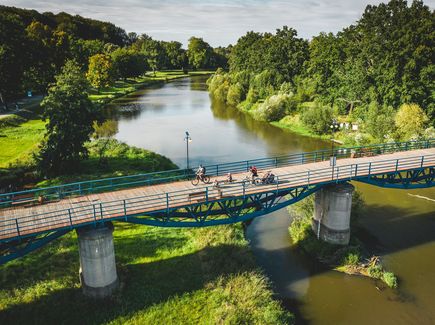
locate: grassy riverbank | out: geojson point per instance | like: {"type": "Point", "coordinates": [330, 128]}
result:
{"type": "Point", "coordinates": [168, 276]}
{"type": "Point", "coordinates": [350, 259]}
{"type": "Point", "coordinates": [21, 132]}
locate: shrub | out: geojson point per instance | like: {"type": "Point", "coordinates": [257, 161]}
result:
{"type": "Point", "coordinates": [375, 271]}
{"type": "Point", "coordinates": [266, 83]}
{"type": "Point", "coordinates": [318, 118]}
{"type": "Point", "coordinates": [351, 258]}
{"type": "Point", "coordinates": [235, 94]}
{"type": "Point", "coordinates": [274, 108]}
{"type": "Point", "coordinates": [390, 279]}
{"type": "Point", "coordinates": [410, 121]}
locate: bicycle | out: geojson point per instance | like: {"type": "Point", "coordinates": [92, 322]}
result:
{"type": "Point", "coordinates": [205, 179]}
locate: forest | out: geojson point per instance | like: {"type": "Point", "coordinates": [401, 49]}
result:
{"type": "Point", "coordinates": [35, 46]}
{"type": "Point", "coordinates": [377, 74]}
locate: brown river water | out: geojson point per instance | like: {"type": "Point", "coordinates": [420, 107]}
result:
{"type": "Point", "coordinates": [398, 225]}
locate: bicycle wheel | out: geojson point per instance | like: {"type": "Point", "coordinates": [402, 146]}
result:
{"type": "Point", "coordinates": [206, 179]}
{"type": "Point", "coordinates": [195, 181]}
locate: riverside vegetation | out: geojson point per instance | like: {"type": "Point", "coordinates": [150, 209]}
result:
{"type": "Point", "coordinates": [374, 80]}
{"type": "Point", "coordinates": [351, 259]}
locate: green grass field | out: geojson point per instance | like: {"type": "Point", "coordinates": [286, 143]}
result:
{"type": "Point", "coordinates": [168, 276]}
{"type": "Point", "coordinates": [17, 143]}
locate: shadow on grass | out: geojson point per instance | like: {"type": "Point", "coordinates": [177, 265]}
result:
{"type": "Point", "coordinates": [143, 285]}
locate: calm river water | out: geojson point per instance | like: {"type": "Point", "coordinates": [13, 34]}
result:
{"type": "Point", "coordinates": [399, 225]}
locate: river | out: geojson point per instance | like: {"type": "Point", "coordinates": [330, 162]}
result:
{"type": "Point", "coordinates": [399, 225]}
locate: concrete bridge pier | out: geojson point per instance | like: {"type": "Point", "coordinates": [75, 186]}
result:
{"type": "Point", "coordinates": [97, 261]}
{"type": "Point", "coordinates": [332, 208]}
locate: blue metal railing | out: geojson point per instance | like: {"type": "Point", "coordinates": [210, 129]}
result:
{"type": "Point", "coordinates": [166, 201]}
{"type": "Point", "coordinates": [116, 183]}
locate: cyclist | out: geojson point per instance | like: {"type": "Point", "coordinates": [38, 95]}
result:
{"type": "Point", "coordinates": [201, 172]}
{"type": "Point", "coordinates": [229, 177]}
{"type": "Point", "coordinates": [268, 178]}
{"type": "Point", "coordinates": [254, 173]}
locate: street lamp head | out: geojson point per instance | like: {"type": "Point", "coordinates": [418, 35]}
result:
{"type": "Point", "coordinates": [187, 133]}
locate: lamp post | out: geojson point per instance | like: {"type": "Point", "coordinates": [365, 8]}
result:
{"type": "Point", "coordinates": [334, 127]}
{"type": "Point", "coordinates": [188, 139]}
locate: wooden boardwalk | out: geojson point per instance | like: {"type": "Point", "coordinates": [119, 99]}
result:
{"type": "Point", "coordinates": [25, 220]}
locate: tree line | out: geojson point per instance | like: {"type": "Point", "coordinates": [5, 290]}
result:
{"type": "Point", "coordinates": [35, 46]}
{"type": "Point", "coordinates": [366, 72]}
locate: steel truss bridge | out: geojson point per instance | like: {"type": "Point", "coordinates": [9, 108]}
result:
{"type": "Point", "coordinates": [167, 199]}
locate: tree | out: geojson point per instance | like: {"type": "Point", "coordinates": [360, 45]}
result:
{"type": "Point", "coordinates": [176, 56]}
{"type": "Point", "coordinates": [128, 63]}
{"type": "Point", "coordinates": [100, 72]}
{"type": "Point", "coordinates": [410, 121]}
{"type": "Point", "coordinates": [13, 51]}
{"type": "Point", "coordinates": [70, 115]}
{"type": "Point", "coordinates": [199, 53]}
{"type": "Point", "coordinates": [104, 132]}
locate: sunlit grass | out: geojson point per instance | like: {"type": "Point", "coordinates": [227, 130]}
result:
{"type": "Point", "coordinates": [168, 276]}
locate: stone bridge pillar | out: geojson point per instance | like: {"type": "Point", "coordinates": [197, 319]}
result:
{"type": "Point", "coordinates": [97, 261]}
{"type": "Point", "coordinates": [332, 207]}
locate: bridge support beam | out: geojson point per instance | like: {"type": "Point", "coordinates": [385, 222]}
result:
{"type": "Point", "coordinates": [97, 261]}
{"type": "Point", "coordinates": [332, 208]}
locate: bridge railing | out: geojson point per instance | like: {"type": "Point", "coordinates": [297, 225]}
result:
{"type": "Point", "coordinates": [116, 183]}
{"type": "Point", "coordinates": [164, 202]}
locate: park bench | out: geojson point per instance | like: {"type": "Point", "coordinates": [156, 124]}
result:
{"type": "Point", "coordinates": [363, 152]}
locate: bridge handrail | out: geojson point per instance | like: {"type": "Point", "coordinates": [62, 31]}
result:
{"type": "Point", "coordinates": [121, 208]}
{"type": "Point", "coordinates": [116, 183]}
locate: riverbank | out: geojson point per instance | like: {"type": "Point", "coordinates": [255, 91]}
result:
{"type": "Point", "coordinates": [22, 131]}
{"type": "Point", "coordinates": [353, 259]}
{"type": "Point", "coordinates": [167, 275]}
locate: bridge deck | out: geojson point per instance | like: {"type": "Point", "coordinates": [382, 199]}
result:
{"type": "Point", "coordinates": [76, 210]}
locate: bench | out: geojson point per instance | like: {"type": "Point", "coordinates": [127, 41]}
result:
{"type": "Point", "coordinates": [362, 153]}
{"type": "Point", "coordinates": [27, 199]}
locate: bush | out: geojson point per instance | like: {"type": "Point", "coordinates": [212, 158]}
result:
{"type": "Point", "coordinates": [352, 258]}
{"type": "Point", "coordinates": [218, 86]}
{"type": "Point", "coordinates": [235, 94]}
{"type": "Point", "coordinates": [410, 121]}
{"type": "Point", "coordinates": [390, 279]}
{"type": "Point", "coordinates": [266, 83]}
{"type": "Point", "coordinates": [318, 118]}
{"type": "Point", "coordinates": [274, 108]}
{"type": "Point", "coordinates": [375, 271]}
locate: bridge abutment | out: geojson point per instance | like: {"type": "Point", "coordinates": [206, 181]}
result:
{"type": "Point", "coordinates": [97, 261]}
{"type": "Point", "coordinates": [332, 208]}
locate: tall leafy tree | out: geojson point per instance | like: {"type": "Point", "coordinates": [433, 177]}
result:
{"type": "Point", "coordinates": [100, 72]}
{"type": "Point", "coordinates": [128, 63]}
{"type": "Point", "coordinates": [69, 114]}
{"type": "Point", "coordinates": [13, 59]}
{"type": "Point", "coordinates": [199, 53]}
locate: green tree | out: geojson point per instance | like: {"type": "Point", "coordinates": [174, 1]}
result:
{"type": "Point", "coordinates": [104, 133]}
{"type": "Point", "coordinates": [100, 72]}
{"type": "Point", "coordinates": [176, 56]}
{"type": "Point", "coordinates": [128, 63]}
{"type": "Point", "coordinates": [70, 115]}
{"type": "Point", "coordinates": [379, 121]}
{"type": "Point", "coordinates": [199, 53]}
{"type": "Point", "coordinates": [13, 49]}
{"type": "Point", "coordinates": [410, 121]}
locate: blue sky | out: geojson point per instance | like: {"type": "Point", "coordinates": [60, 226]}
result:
{"type": "Point", "coordinates": [219, 22]}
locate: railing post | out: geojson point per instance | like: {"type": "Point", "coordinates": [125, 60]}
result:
{"type": "Point", "coordinates": [308, 176]}
{"type": "Point", "coordinates": [18, 228]}
{"type": "Point", "coordinates": [338, 170]}
{"type": "Point", "coordinates": [276, 162]}
{"type": "Point", "coordinates": [101, 210]}
{"type": "Point", "coordinates": [243, 185]}
{"type": "Point", "coordinates": [303, 158]}
{"type": "Point", "coordinates": [422, 161]}
{"type": "Point", "coordinates": [247, 165]}
{"type": "Point", "coordinates": [323, 155]}
{"type": "Point", "coordinates": [217, 170]}
{"type": "Point", "coordinates": [70, 219]}
{"type": "Point", "coordinates": [80, 189]}
{"type": "Point", "coordinates": [167, 204]}
{"type": "Point", "coordinates": [397, 164]}
{"type": "Point", "coordinates": [125, 209]}
{"type": "Point", "coordinates": [356, 170]}
{"type": "Point", "coordinates": [95, 214]}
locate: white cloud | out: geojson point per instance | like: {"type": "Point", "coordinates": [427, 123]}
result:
{"type": "Point", "coordinates": [219, 22]}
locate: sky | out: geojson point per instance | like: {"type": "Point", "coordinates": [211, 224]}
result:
{"type": "Point", "coordinates": [219, 22]}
